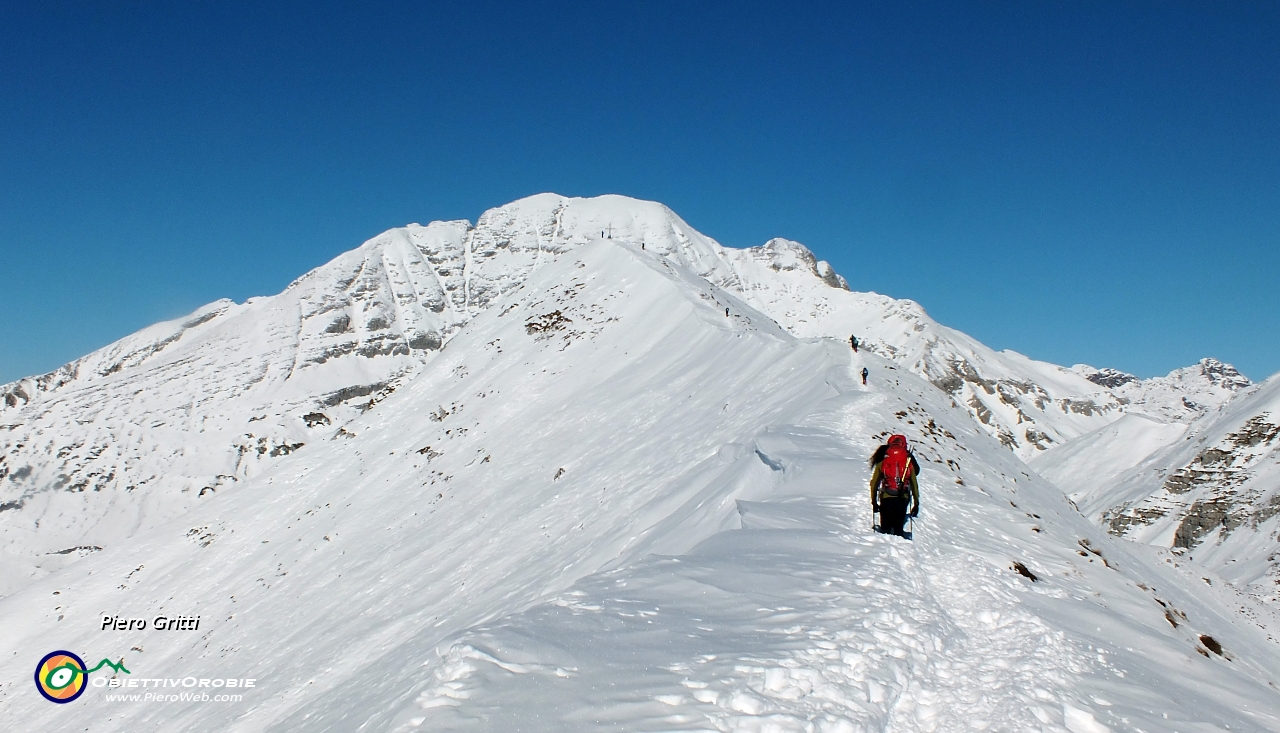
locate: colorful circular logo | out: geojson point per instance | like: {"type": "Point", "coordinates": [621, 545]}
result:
{"type": "Point", "coordinates": [61, 676]}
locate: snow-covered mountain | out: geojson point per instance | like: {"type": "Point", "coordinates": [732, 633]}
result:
{"type": "Point", "coordinates": [1028, 405]}
{"type": "Point", "coordinates": [1158, 411]}
{"type": "Point", "coordinates": [144, 429]}
{"type": "Point", "coordinates": [1184, 395]}
{"type": "Point", "coordinates": [1214, 493]}
{"type": "Point", "coordinates": [578, 467]}
{"type": "Point", "coordinates": [1189, 466]}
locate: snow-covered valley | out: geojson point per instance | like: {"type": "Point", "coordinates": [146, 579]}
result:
{"type": "Point", "coordinates": [579, 467]}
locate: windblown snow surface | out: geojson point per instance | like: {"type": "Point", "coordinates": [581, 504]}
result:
{"type": "Point", "coordinates": [624, 492]}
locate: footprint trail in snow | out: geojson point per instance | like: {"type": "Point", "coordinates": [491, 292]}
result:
{"type": "Point", "coordinates": [801, 620]}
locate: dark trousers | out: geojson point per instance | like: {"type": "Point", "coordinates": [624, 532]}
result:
{"type": "Point", "coordinates": [893, 514]}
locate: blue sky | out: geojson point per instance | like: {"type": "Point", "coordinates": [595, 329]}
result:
{"type": "Point", "coordinates": [1080, 182]}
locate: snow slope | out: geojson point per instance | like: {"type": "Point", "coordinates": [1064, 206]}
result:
{"type": "Point", "coordinates": [522, 481]}
{"type": "Point", "coordinates": [607, 413]}
{"type": "Point", "coordinates": [1087, 468]}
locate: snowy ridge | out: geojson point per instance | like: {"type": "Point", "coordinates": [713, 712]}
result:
{"type": "Point", "coordinates": [140, 431]}
{"type": "Point", "coordinates": [802, 620]}
{"type": "Point", "coordinates": [1184, 395]}
{"type": "Point", "coordinates": [1029, 406]}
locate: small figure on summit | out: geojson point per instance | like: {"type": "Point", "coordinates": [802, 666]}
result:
{"type": "Point", "coordinates": [853, 341]}
{"type": "Point", "coordinates": [893, 475]}
{"type": "Point", "coordinates": [864, 375]}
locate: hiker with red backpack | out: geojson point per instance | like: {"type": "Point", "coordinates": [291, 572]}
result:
{"type": "Point", "coordinates": [893, 484]}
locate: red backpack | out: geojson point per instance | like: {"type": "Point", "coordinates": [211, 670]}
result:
{"type": "Point", "coordinates": [896, 468]}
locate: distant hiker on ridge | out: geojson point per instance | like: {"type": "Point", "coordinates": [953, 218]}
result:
{"type": "Point", "coordinates": [853, 341]}
{"type": "Point", "coordinates": [893, 474]}
{"type": "Point", "coordinates": [864, 375]}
